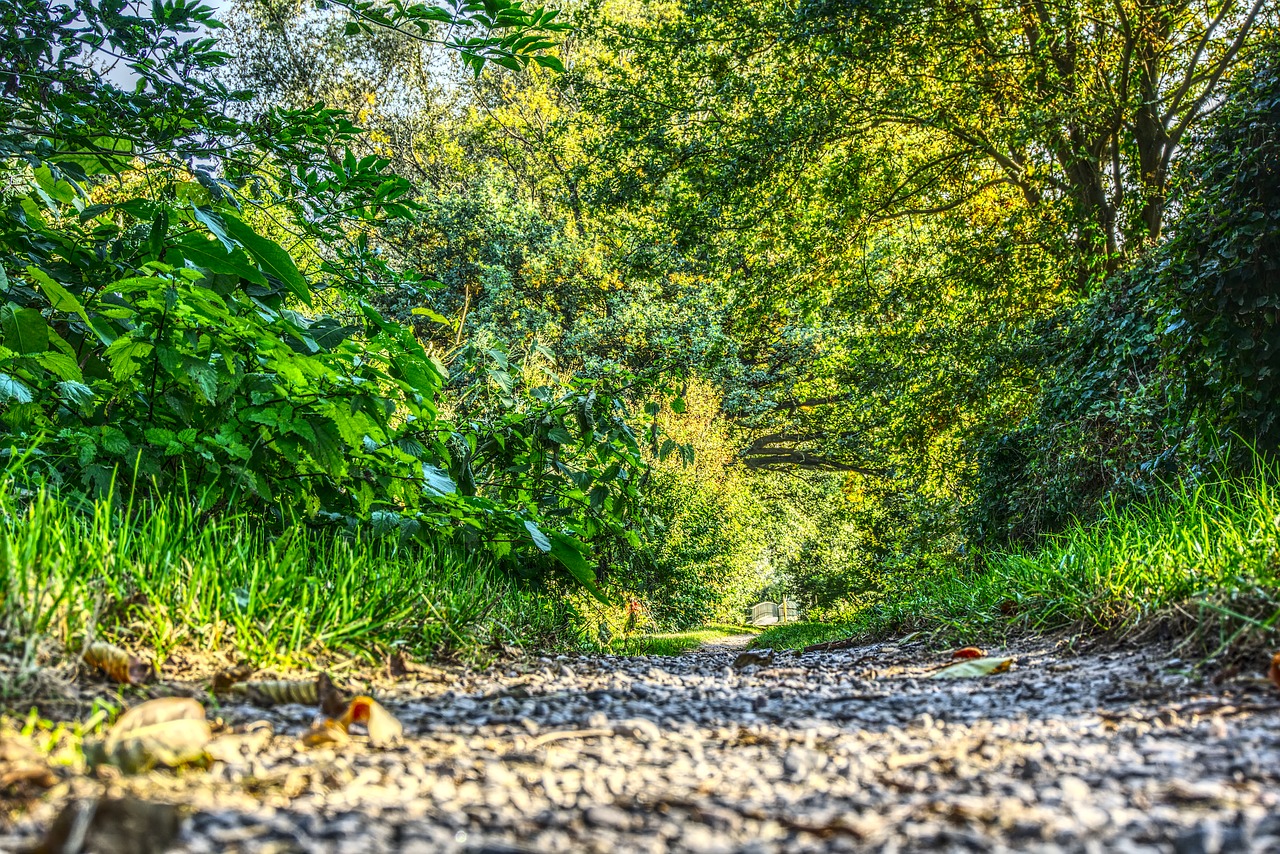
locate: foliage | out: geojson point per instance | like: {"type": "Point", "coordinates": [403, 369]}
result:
{"type": "Point", "coordinates": [163, 577]}
{"type": "Point", "coordinates": [186, 296]}
{"type": "Point", "coordinates": [1170, 359]}
{"type": "Point", "coordinates": [1198, 566]}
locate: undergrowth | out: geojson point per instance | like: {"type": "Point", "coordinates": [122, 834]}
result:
{"type": "Point", "coordinates": [1201, 567]}
{"type": "Point", "coordinates": [159, 576]}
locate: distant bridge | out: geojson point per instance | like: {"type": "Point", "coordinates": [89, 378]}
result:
{"type": "Point", "coordinates": [772, 613]}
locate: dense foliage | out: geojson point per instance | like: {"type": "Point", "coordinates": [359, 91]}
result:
{"type": "Point", "coordinates": [699, 301]}
{"type": "Point", "coordinates": [188, 300]}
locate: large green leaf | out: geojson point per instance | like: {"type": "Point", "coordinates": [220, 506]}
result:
{"type": "Point", "coordinates": [271, 256]}
{"type": "Point", "coordinates": [567, 550]}
{"type": "Point", "coordinates": [12, 389]}
{"type": "Point", "coordinates": [539, 539]}
{"type": "Point", "coordinates": [59, 297]}
{"type": "Point", "coordinates": [437, 481]}
{"type": "Point", "coordinates": [213, 257]}
{"type": "Point", "coordinates": [24, 329]}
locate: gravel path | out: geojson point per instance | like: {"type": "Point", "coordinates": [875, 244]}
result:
{"type": "Point", "coordinates": [855, 750]}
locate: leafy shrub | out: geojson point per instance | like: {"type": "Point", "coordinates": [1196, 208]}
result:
{"type": "Point", "coordinates": [1161, 366]}
{"type": "Point", "coordinates": [185, 299]}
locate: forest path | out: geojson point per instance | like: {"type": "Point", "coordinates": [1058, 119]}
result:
{"type": "Point", "coordinates": [852, 750]}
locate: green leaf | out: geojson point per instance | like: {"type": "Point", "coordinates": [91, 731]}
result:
{"type": "Point", "coordinates": [12, 389]}
{"type": "Point", "coordinates": [75, 393]}
{"type": "Point", "coordinates": [210, 255]}
{"type": "Point", "coordinates": [539, 539]}
{"type": "Point", "coordinates": [126, 354]}
{"type": "Point", "coordinates": [431, 315]}
{"type": "Point", "coordinates": [24, 329]}
{"type": "Point", "coordinates": [437, 481]}
{"type": "Point", "coordinates": [59, 297]}
{"type": "Point", "coordinates": [111, 155]}
{"type": "Point", "coordinates": [61, 365]}
{"type": "Point", "coordinates": [216, 225]}
{"type": "Point", "coordinates": [567, 550]}
{"type": "Point", "coordinates": [271, 256]}
{"type": "Point", "coordinates": [677, 405]}
{"type": "Point", "coordinates": [559, 435]}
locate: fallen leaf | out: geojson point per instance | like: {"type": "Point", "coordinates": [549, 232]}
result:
{"type": "Point", "coordinates": [1274, 673]}
{"type": "Point", "coordinates": [968, 652]}
{"type": "Point", "coordinates": [117, 663]}
{"type": "Point", "coordinates": [112, 826]}
{"type": "Point", "coordinates": [274, 692]}
{"type": "Point", "coordinates": [384, 728]}
{"type": "Point", "coordinates": [332, 701]}
{"type": "Point", "coordinates": [168, 732]}
{"type": "Point", "coordinates": [973, 667]}
{"type": "Point", "coordinates": [326, 733]}
{"type": "Point", "coordinates": [223, 680]}
{"type": "Point", "coordinates": [157, 712]}
{"type": "Point", "coordinates": [23, 768]}
{"type": "Point", "coordinates": [751, 656]}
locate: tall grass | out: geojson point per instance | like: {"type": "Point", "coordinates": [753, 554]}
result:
{"type": "Point", "coordinates": [1203, 565]}
{"type": "Point", "coordinates": [160, 576]}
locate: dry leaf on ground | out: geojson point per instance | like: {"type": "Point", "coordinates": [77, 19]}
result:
{"type": "Point", "coordinates": [752, 656]}
{"type": "Point", "coordinates": [326, 733]}
{"type": "Point", "coordinates": [275, 692]}
{"type": "Point", "coordinates": [159, 711]}
{"type": "Point", "coordinates": [23, 768]}
{"type": "Point", "coordinates": [168, 732]}
{"type": "Point", "coordinates": [117, 663]}
{"type": "Point", "coordinates": [384, 728]}
{"type": "Point", "coordinates": [973, 667]}
{"type": "Point", "coordinates": [968, 652]}
{"type": "Point", "coordinates": [1275, 669]}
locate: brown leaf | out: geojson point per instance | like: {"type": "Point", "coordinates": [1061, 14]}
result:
{"type": "Point", "coordinates": [157, 712]}
{"type": "Point", "coordinates": [384, 728]}
{"type": "Point", "coordinates": [1274, 672]}
{"type": "Point", "coordinates": [326, 733]}
{"type": "Point", "coordinates": [170, 744]}
{"type": "Point", "coordinates": [168, 732]}
{"type": "Point", "coordinates": [752, 656]}
{"type": "Point", "coordinates": [274, 692]}
{"type": "Point", "coordinates": [23, 768]}
{"type": "Point", "coordinates": [968, 652]}
{"type": "Point", "coordinates": [117, 663]}
{"type": "Point", "coordinates": [397, 667]}
{"type": "Point", "coordinates": [112, 826]}
{"type": "Point", "coordinates": [224, 679]}
{"type": "Point", "coordinates": [332, 701]}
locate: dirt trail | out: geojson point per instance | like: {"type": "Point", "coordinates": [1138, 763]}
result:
{"type": "Point", "coordinates": [854, 750]}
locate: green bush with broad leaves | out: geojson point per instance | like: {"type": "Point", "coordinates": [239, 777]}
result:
{"type": "Point", "coordinates": [185, 296]}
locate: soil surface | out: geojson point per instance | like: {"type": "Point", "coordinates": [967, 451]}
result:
{"type": "Point", "coordinates": [850, 750]}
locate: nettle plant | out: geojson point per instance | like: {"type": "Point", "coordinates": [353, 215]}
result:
{"type": "Point", "coordinates": [183, 290]}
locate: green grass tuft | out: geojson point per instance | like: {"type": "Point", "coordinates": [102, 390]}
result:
{"type": "Point", "coordinates": [674, 643]}
{"type": "Point", "coordinates": [162, 577]}
{"type": "Point", "coordinates": [1203, 566]}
